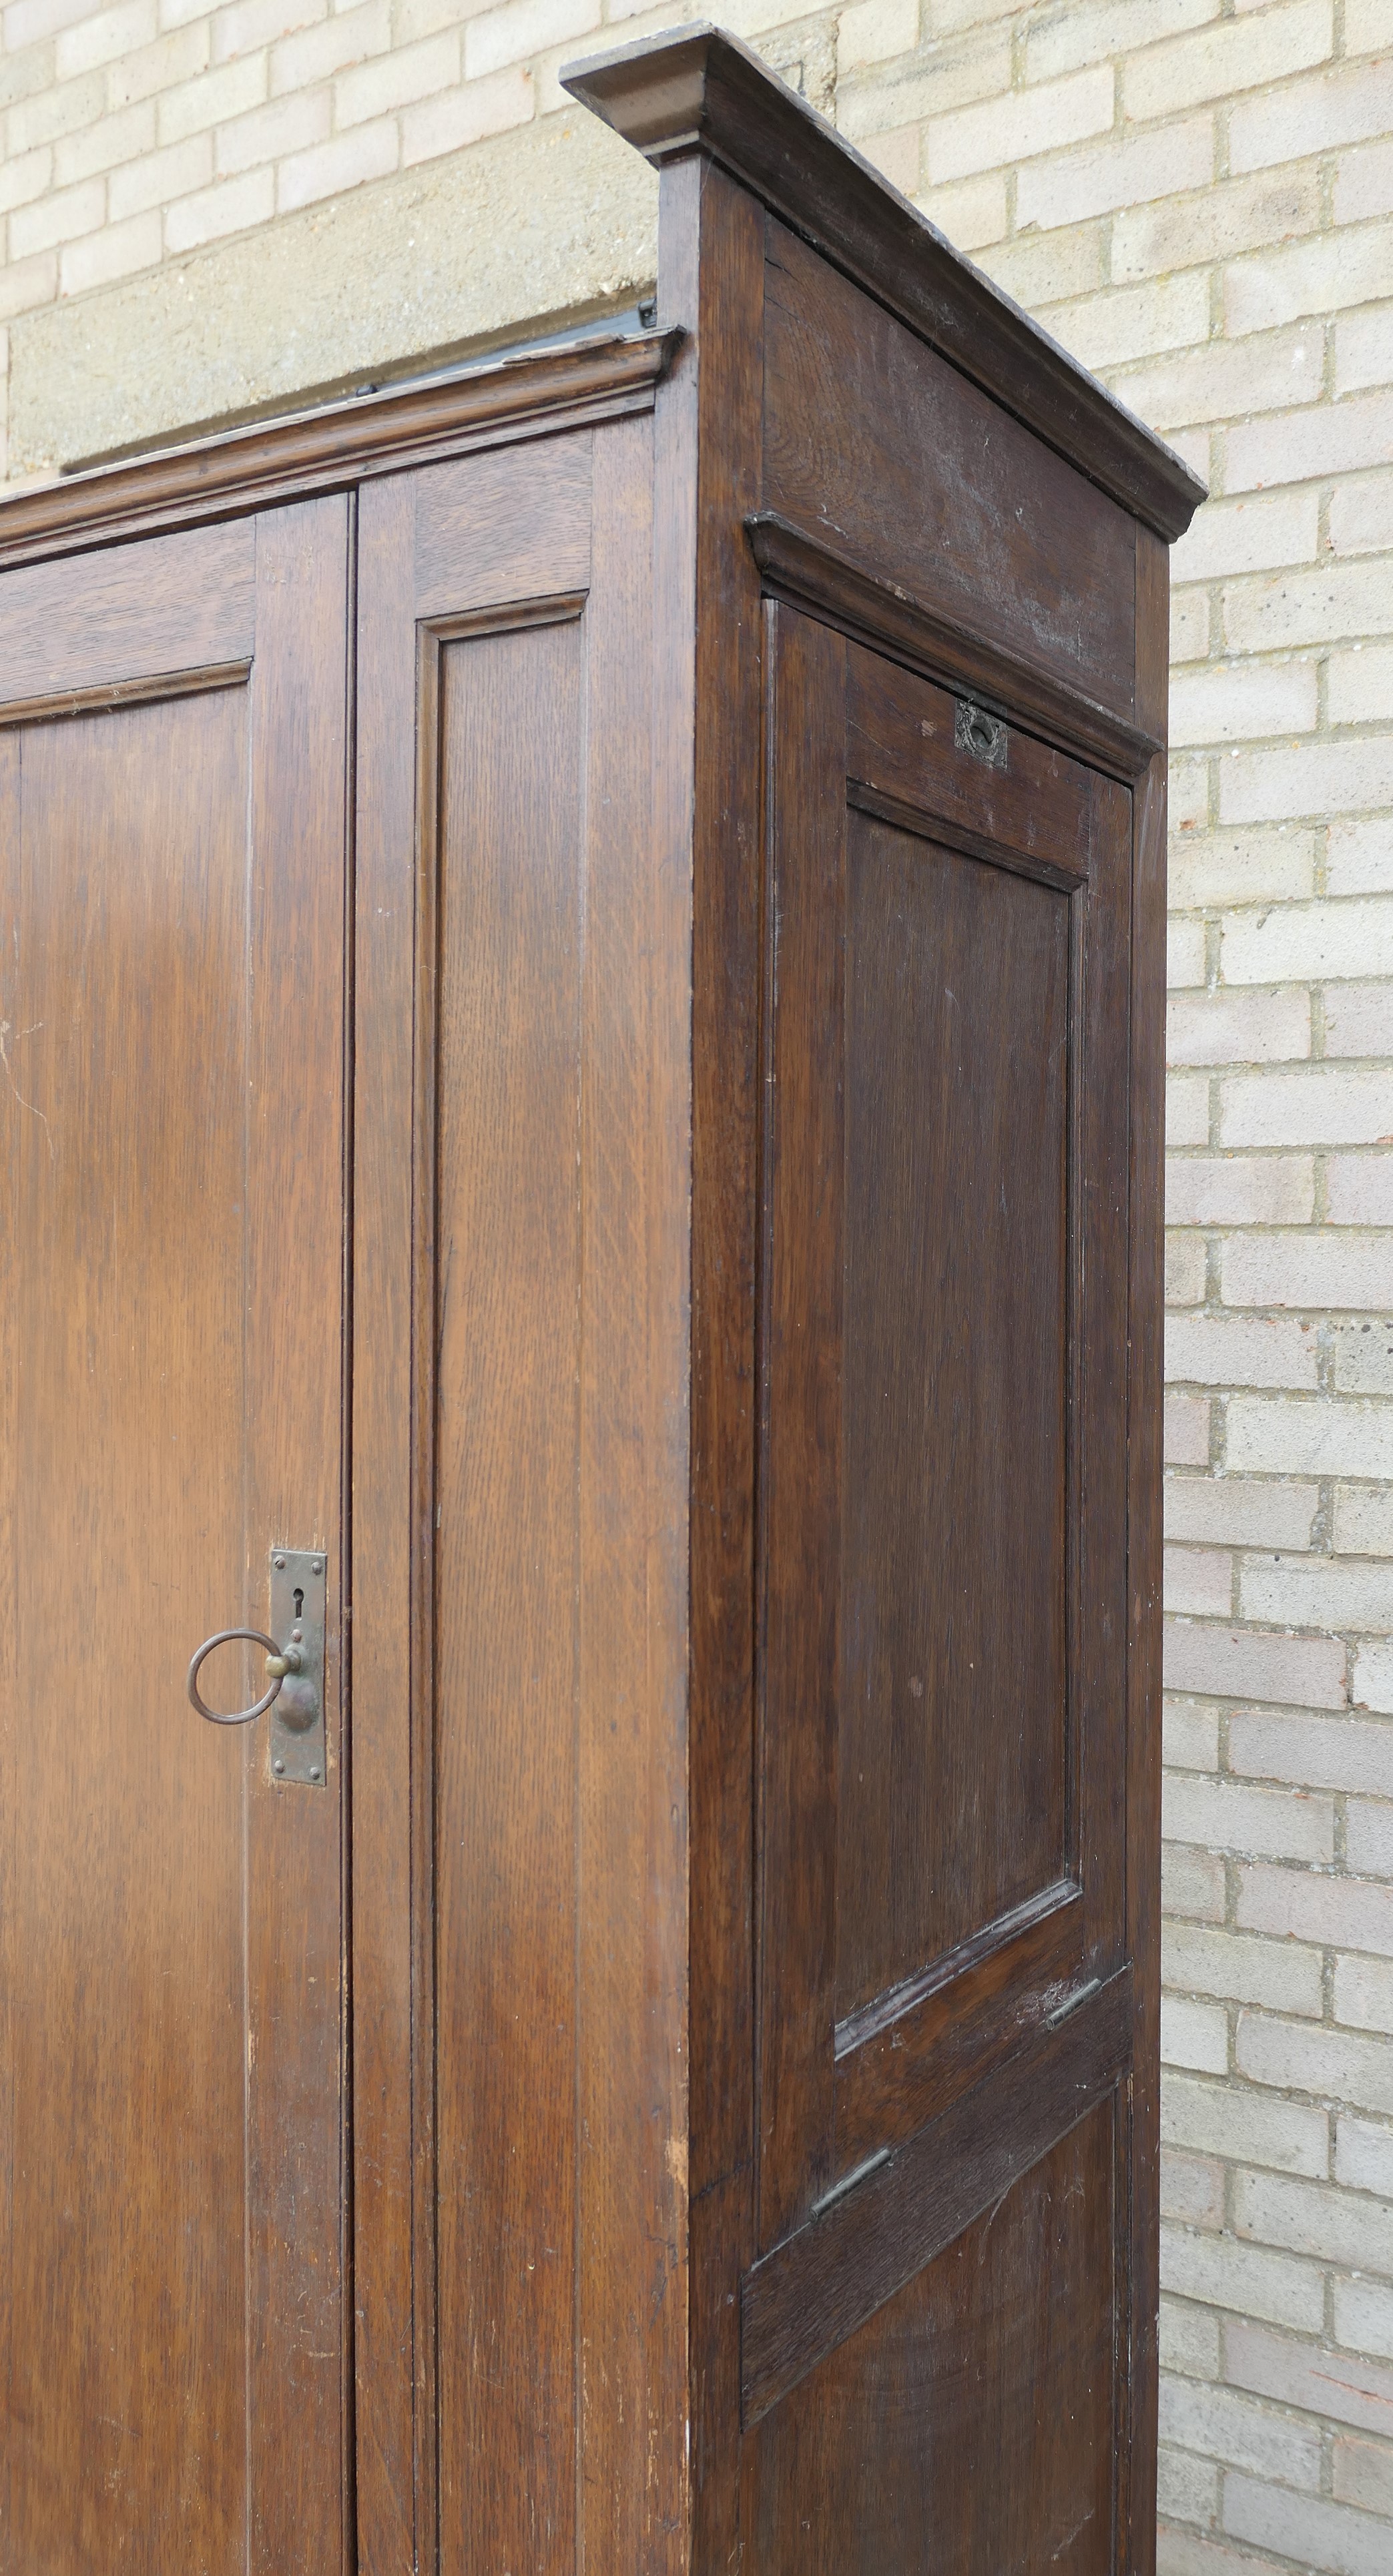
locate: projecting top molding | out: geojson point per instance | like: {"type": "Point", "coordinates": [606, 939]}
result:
{"type": "Point", "coordinates": [699, 89]}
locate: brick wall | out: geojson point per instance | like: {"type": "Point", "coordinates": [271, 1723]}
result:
{"type": "Point", "coordinates": [1197, 197]}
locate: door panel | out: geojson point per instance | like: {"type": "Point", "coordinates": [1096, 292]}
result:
{"type": "Point", "coordinates": [171, 983]}
{"type": "Point", "coordinates": [519, 1546]}
{"type": "Point", "coordinates": [951, 1740]}
{"type": "Point", "coordinates": [967, 2428]}
{"type": "Point", "coordinates": [943, 1982]}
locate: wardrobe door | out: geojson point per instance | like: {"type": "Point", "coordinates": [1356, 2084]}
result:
{"type": "Point", "coordinates": [172, 882]}
{"type": "Point", "coordinates": [945, 1994]}
{"type": "Point", "coordinates": [518, 1526]}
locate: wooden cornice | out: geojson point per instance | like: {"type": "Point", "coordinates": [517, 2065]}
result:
{"type": "Point", "coordinates": [809, 573]}
{"type": "Point", "coordinates": [339, 444]}
{"type": "Point", "coordinates": [700, 89]}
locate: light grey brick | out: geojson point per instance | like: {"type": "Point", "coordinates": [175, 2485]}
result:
{"type": "Point", "coordinates": [1192, 2187]}
{"type": "Point", "coordinates": [1351, 1913]}
{"type": "Point", "coordinates": [1240, 2431]}
{"type": "Point", "coordinates": [1189, 2339]}
{"type": "Point", "coordinates": [1364, 1992]}
{"type": "Point", "coordinates": [1192, 1883]}
{"type": "Point", "coordinates": [1364, 2320]}
{"type": "Point", "coordinates": [1322, 1752]}
{"type": "Point", "coordinates": [1288, 1824]}
{"type": "Point", "coordinates": [1304, 2527]}
{"type": "Point", "coordinates": [1300, 2057]}
{"type": "Point", "coordinates": [1364, 2162]}
{"type": "Point", "coordinates": [1308, 2375]}
{"type": "Point", "coordinates": [1309, 1436]}
{"type": "Point", "coordinates": [1313, 2218]}
{"type": "Point", "coordinates": [1246, 1663]}
{"type": "Point", "coordinates": [1362, 2474]}
{"type": "Point", "coordinates": [1219, 2120]}
{"type": "Point", "coordinates": [1197, 2036]}
{"type": "Point", "coordinates": [1186, 2487]}
{"type": "Point", "coordinates": [1279, 1974]}
{"type": "Point", "coordinates": [1239, 1511]}
{"type": "Point", "coordinates": [1218, 2270]}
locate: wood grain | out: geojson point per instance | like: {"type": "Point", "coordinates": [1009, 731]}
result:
{"type": "Point", "coordinates": [901, 745]}
{"type": "Point", "coordinates": [909, 2448]}
{"type": "Point", "coordinates": [811, 572]}
{"type": "Point", "coordinates": [512, 526]}
{"type": "Point", "coordinates": [802, 1432]}
{"type": "Point", "coordinates": [507, 1328]}
{"type": "Point", "coordinates": [916, 2049]}
{"type": "Point", "coordinates": [824, 2281]}
{"type": "Point", "coordinates": [700, 89]}
{"type": "Point", "coordinates": [952, 1743]}
{"type": "Point", "coordinates": [339, 445]}
{"type": "Point", "coordinates": [631, 1863]}
{"type": "Point", "coordinates": [929, 484]}
{"type": "Point", "coordinates": [174, 604]}
{"type": "Point", "coordinates": [391, 1737]}
{"type": "Point", "coordinates": [294, 1364]}
{"type": "Point", "coordinates": [707, 731]}
{"type": "Point", "coordinates": [1147, 1241]}
{"type": "Point", "coordinates": [173, 1278]}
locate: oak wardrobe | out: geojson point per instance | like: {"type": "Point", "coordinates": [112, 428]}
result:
{"type": "Point", "coordinates": [582, 1023]}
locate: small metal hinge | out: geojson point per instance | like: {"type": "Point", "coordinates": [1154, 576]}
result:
{"type": "Point", "coordinates": [975, 731]}
{"type": "Point", "coordinates": [1071, 2003]}
{"type": "Point", "coordinates": [848, 2182]}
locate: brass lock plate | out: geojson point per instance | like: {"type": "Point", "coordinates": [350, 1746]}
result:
{"type": "Point", "coordinates": [299, 1592]}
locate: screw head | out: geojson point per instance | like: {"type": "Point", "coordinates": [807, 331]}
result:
{"type": "Point", "coordinates": [281, 1563]}
{"type": "Point", "coordinates": [278, 1766]}
{"type": "Point", "coordinates": [316, 1566]}
{"type": "Point", "coordinates": [296, 1635]}
{"type": "Point", "coordinates": [314, 1770]}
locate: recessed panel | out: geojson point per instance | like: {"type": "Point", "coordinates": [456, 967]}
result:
{"type": "Point", "coordinates": [951, 1742]}
{"type": "Point", "coordinates": [123, 1087]}
{"type": "Point", "coordinates": [507, 1557]}
{"type": "Point", "coordinates": [967, 2428]}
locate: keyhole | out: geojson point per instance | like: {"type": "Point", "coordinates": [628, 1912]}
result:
{"type": "Point", "coordinates": [299, 1601]}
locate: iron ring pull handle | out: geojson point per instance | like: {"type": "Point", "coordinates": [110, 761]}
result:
{"type": "Point", "coordinates": [279, 1662]}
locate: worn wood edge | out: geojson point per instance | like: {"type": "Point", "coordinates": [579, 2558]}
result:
{"type": "Point", "coordinates": [812, 574]}
{"type": "Point", "coordinates": [50, 706]}
{"type": "Point", "coordinates": [422, 1679]}
{"type": "Point", "coordinates": [909, 814]}
{"type": "Point", "coordinates": [922, 2064]}
{"type": "Point", "coordinates": [836, 2271]}
{"type": "Point", "coordinates": [1139, 2357]}
{"type": "Point", "coordinates": [699, 88]}
{"type": "Point", "coordinates": [339, 444]}
{"type": "Point", "coordinates": [556, 608]}
{"type": "Point", "coordinates": [874, 2019]}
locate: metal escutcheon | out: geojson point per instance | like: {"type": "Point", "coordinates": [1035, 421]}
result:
{"type": "Point", "coordinates": [299, 1586]}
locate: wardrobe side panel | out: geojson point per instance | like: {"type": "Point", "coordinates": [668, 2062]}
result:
{"type": "Point", "coordinates": [877, 446]}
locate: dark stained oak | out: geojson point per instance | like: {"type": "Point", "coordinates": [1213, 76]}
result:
{"type": "Point", "coordinates": [863, 2243]}
{"type": "Point", "coordinates": [814, 572]}
{"type": "Point", "coordinates": [581, 967]}
{"type": "Point", "coordinates": [701, 90]}
{"type": "Point", "coordinates": [968, 2426]}
{"type": "Point", "coordinates": [925, 482]}
{"type": "Point", "coordinates": [952, 1742]}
